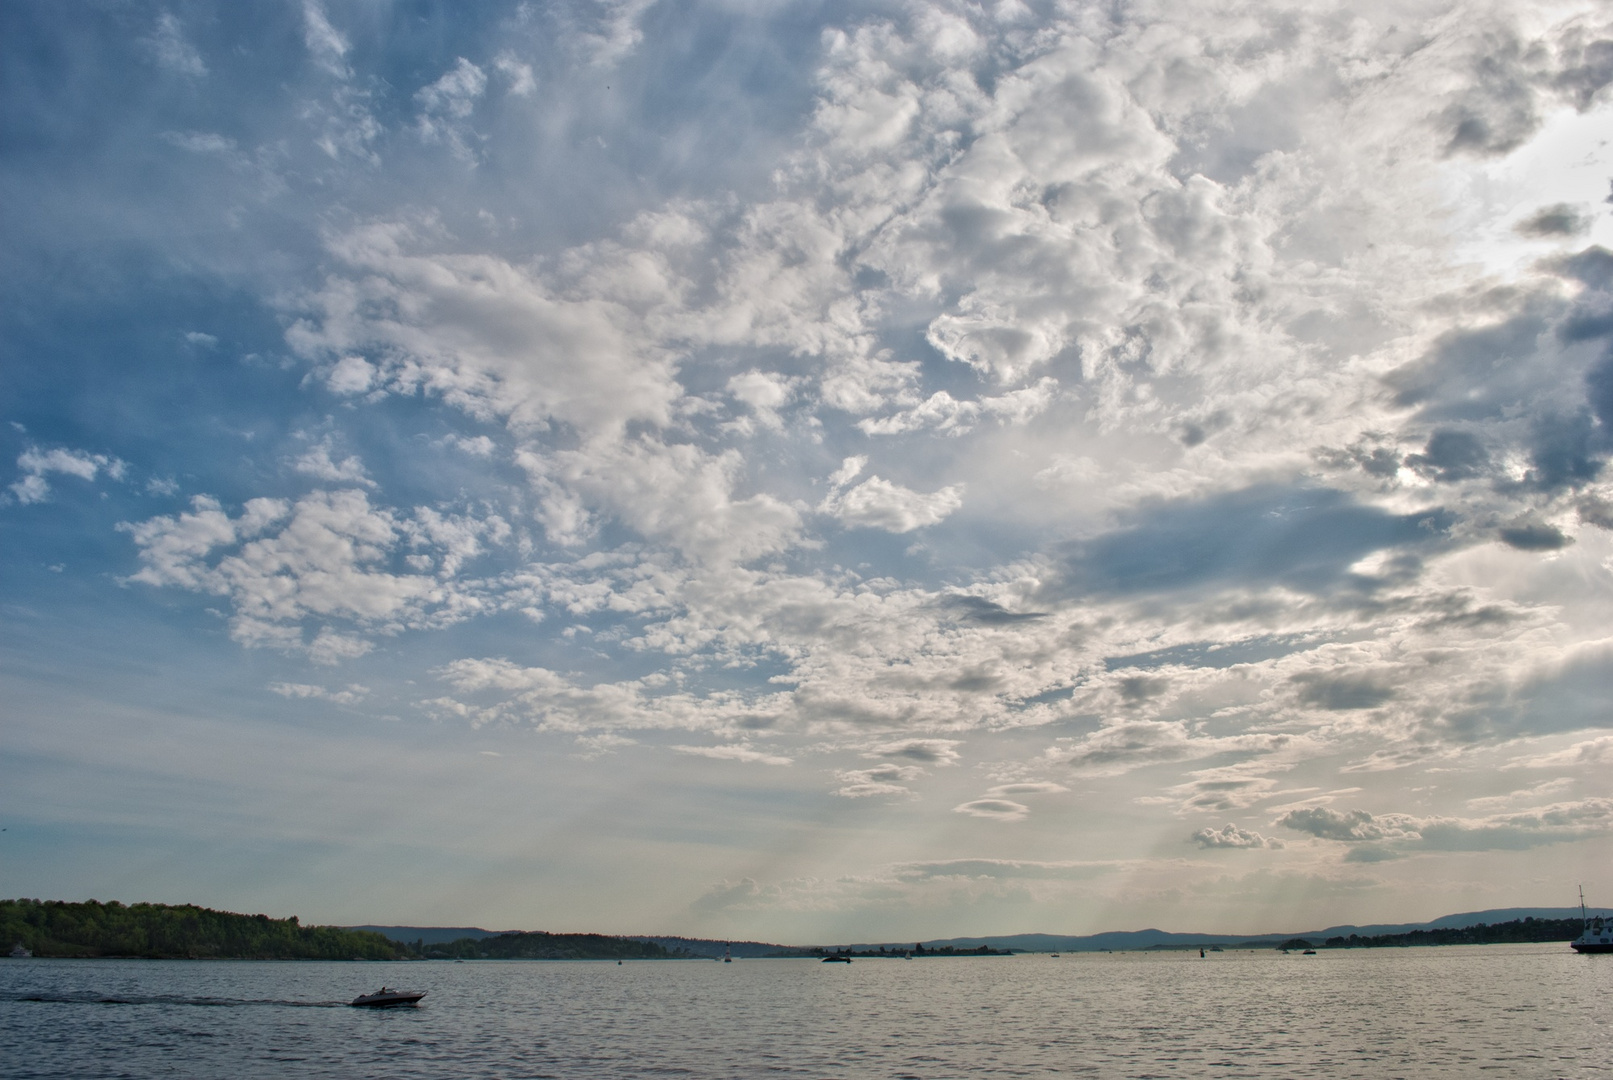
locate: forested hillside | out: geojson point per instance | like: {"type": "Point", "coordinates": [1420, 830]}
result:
{"type": "Point", "coordinates": [160, 931]}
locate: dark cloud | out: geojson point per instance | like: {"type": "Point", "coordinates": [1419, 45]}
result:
{"type": "Point", "coordinates": [1451, 455]}
{"type": "Point", "coordinates": [1303, 538]}
{"type": "Point", "coordinates": [1474, 374]}
{"type": "Point", "coordinates": [1139, 688]}
{"type": "Point", "coordinates": [1342, 692]}
{"type": "Point", "coordinates": [1534, 537]}
{"type": "Point", "coordinates": [1564, 451]}
{"type": "Point", "coordinates": [978, 609]}
{"type": "Point", "coordinates": [1497, 111]}
{"type": "Point", "coordinates": [1559, 219]}
{"type": "Point", "coordinates": [1591, 69]}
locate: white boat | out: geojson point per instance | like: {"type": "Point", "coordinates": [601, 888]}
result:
{"type": "Point", "coordinates": [19, 951]}
{"type": "Point", "coordinates": [1597, 936]}
{"type": "Point", "coordinates": [386, 998]}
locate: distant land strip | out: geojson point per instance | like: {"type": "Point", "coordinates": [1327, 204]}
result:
{"type": "Point", "coordinates": [56, 928]}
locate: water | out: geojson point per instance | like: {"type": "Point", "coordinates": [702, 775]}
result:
{"type": "Point", "coordinates": [1499, 1010]}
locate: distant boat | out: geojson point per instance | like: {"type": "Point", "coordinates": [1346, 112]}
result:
{"type": "Point", "coordinates": [19, 951]}
{"type": "Point", "coordinates": [386, 998]}
{"type": "Point", "coordinates": [1308, 952]}
{"type": "Point", "coordinates": [1596, 937]}
{"type": "Point", "coordinates": [727, 958]}
{"type": "Point", "coordinates": [836, 960]}
{"type": "Point", "coordinates": [1055, 956]}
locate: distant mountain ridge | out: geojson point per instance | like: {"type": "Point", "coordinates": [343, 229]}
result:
{"type": "Point", "coordinates": [1111, 939]}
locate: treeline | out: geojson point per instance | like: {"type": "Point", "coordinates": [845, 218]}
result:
{"type": "Point", "coordinates": [185, 931]}
{"type": "Point", "coordinates": [544, 946]}
{"type": "Point", "coordinates": [1517, 930]}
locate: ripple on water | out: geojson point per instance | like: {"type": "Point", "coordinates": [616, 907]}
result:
{"type": "Point", "coordinates": [1518, 1011]}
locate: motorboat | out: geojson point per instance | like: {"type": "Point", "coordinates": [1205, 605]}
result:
{"type": "Point", "coordinates": [19, 951]}
{"type": "Point", "coordinates": [837, 960]}
{"type": "Point", "coordinates": [387, 998]}
{"type": "Point", "coordinates": [1597, 935]}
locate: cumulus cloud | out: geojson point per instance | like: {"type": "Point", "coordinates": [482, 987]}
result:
{"type": "Point", "coordinates": [880, 504]}
{"type": "Point", "coordinates": [286, 565]}
{"type": "Point", "coordinates": [1515, 830]}
{"type": "Point", "coordinates": [318, 463]}
{"type": "Point", "coordinates": [1231, 836]}
{"type": "Point", "coordinates": [35, 465]}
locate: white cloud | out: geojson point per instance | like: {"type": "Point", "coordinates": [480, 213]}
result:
{"type": "Point", "coordinates": [880, 780]}
{"type": "Point", "coordinates": [170, 49]}
{"type": "Point", "coordinates": [994, 809]}
{"type": "Point", "coordinates": [736, 752]}
{"type": "Point", "coordinates": [519, 74]}
{"type": "Point", "coordinates": [36, 464]}
{"type": "Point", "coordinates": [880, 504]}
{"type": "Point", "coordinates": [285, 565]}
{"type": "Point", "coordinates": [327, 45]}
{"type": "Point", "coordinates": [352, 694]}
{"type": "Point", "coordinates": [317, 463]}
{"type": "Point", "coordinates": [1231, 836]}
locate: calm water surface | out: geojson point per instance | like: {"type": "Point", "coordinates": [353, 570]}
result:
{"type": "Point", "coordinates": [1500, 1010]}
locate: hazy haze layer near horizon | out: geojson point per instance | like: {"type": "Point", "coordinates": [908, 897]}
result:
{"type": "Point", "coordinates": [808, 471]}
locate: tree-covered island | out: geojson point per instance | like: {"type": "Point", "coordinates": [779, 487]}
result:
{"type": "Point", "coordinates": [55, 928]}
{"type": "Point", "coordinates": [178, 932]}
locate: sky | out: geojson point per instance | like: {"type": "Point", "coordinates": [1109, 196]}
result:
{"type": "Point", "coordinates": [808, 471]}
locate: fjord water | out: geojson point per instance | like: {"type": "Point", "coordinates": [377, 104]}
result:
{"type": "Point", "coordinates": [1501, 1010]}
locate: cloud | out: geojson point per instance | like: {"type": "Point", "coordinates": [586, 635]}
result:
{"type": "Point", "coordinates": [880, 780]}
{"type": "Point", "coordinates": [351, 695]}
{"type": "Point", "coordinates": [1597, 751]}
{"type": "Point", "coordinates": [1007, 869]}
{"type": "Point", "coordinates": [1027, 787]}
{"type": "Point", "coordinates": [283, 565]}
{"type": "Point", "coordinates": [927, 751]}
{"type": "Point", "coordinates": [171, 51]}
{"type": "Point", "coordinates": [1514, 831]}
{"type": "Point", "coordinates": [1231, 836]}
{"type": "Point", "coordinates": [1126, 745]}
{"type": "Point", "coordinates": [1560, 219]}
{"type": "Point", "coordinates": [317, 463]}
{"type": "Point", "coordinates": [734, 753]}
{"type": "Point", "coordinates": [1304, 539]}
{"type": "Point", "coordinates": [1353, 825]}
{"type": "Point", "coordinates": [881, 504]}
{"type": "Point", "coordinates": [994, 809]}
{"type": "Point", "coordinates": [325, 43]}
{"type": "Point", "coordinates": [446, 105]}
{"type": "Point", "coordinates": [36, 465]}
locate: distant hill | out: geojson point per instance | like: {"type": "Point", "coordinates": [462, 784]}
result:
{"type": "Point", "coordinates": [177, 932]}
{"type": "Point", "coordinates": [1118, 940]}
{"type": "Point", "coordinates": [541, 946]}
{"type": "Point", "coordinates": [1154, 939]}
{"type": "Point", "coordinates": [431, 935]}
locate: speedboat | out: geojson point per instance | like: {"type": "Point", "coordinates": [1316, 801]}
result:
{"type": "Point", "coordinates": [386, 998]}
{"type": "Point", "coordinates": [1597, 937]}
{"type": "Point", "coordinates": [837, 959]}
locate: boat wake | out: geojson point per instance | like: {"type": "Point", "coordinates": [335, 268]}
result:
{"type": "Point", "coordinates": [91, 998]}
